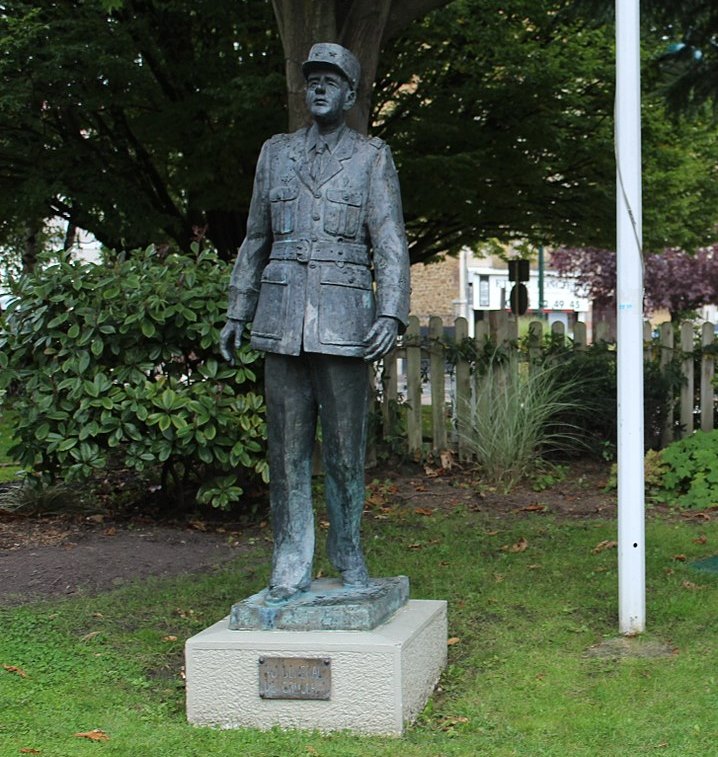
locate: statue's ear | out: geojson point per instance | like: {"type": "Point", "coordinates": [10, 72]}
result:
{"type": "Point", "coordinates": [351, 99]}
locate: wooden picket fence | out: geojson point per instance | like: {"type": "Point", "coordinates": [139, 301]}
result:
{"type": "Point", "coordinates": [428, 386]}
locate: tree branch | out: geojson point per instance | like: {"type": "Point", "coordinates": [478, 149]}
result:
{"type": "Point", "coordinates": [403, 12]}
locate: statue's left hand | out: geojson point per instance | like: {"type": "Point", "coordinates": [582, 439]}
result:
{"type": "Point", "coordinates": [381, 338]}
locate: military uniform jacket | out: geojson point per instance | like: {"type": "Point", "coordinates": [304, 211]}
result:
{"type": "Point", "coordinates": [323, 257]}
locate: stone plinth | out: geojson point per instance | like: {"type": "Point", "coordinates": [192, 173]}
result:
{"type": "Point", "coordinates": [327, 606]}
{"type": "Point", "coordinates": [380, 679]}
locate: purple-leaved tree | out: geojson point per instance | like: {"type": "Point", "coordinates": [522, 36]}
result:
{"type": "Point", "coordinates": [674, 280]}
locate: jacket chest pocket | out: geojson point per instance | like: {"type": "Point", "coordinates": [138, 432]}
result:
{"type": "Point", "coordinates": [283, 202]}
{"type": "Point", "coordinates": [342, 213]}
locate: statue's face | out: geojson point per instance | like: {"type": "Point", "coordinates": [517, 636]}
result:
{"type": "Point", "coordinates": [329, 96]}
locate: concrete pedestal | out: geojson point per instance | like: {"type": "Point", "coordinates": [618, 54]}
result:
{"type": "Point", "coordinates": [380, 679]}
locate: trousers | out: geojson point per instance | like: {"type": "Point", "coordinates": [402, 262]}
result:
{"type": "Point", "coordinates": [299, 390]}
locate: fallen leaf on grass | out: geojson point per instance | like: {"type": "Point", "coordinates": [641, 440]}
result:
{"type": "Point", "coordinates": [423, 511]}
{"type": "Point", "coordinates": [29, 750]}
{"type": "Point", "coordinates": [311, 750]}
{"type": "Point", "coordinates": [14, 669]}
{"type": "Point", "coordinates": [453, 640]}
{"type": "Point", "coordinates": [198, 525]}
{"type": "Point", "coordinates": [702, 539]}
{"type": "Point", "coordinates": [111, 531]}
{"type": "Point", "coordinates": [520, 546]}
{"type": "Point", "coordinates": [691, 586]}
{"type": "Point", "coordinates": [535, 566]}
{"type": "Point", "coordinates": [420, 488]}
{"type": "Point", "coordinates": [533, 509]}
{"type": "Point", "coordinates": [421, 544]}
{"type": "Point", "coordinates": [696, 516]}
{"type": "Point", "coordinates": [376, 500]}
{"type": "Point", "coordinates": [604, 545]}
{"type": "Point", "coordinates": [492, 533]}
{"type": "Point", "coordinates": [679, 558]}
{"type": "Point", "coordinates": [96, 735]}
{"type": "Point", "coordinates": [169, 638]}
{"type": "Point", "coordinates": [90, 636]}
{"type": "Point", "coordinates": [447, 723]}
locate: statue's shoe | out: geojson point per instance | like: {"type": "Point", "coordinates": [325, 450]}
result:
{"type": "Point", "coordinates": [356, 578]}
{"type": "Point", "coordinates": [279, 595]}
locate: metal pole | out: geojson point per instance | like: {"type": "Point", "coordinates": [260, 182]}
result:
{"type": "Point", "coordinates": [629, 301]}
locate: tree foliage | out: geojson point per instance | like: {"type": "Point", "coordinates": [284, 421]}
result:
{"type": "Point", "coordinates": [141, 120]}
{"type": "Point", "coordinates": [683, 37]}
{"type": "Point", "coordinates": [138, 123]}
{"type": "Point", "coordinates": [501, 119]}
{"type": "Point", "coordinates": [674, 280]}
{"type": "Point", "coordinates": [115, 365]}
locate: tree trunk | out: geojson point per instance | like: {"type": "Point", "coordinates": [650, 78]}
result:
{"type": "Point", "coordinates": [360, 25]}
{"type": "Point", "coordinates": [70, 236]}
{"type": "Point", "coordinates": [31, 249]}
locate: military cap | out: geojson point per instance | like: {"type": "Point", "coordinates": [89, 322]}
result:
{"type": "Point", "coordinates": [325, 54]}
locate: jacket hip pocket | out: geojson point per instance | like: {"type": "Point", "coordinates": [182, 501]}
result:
{"type": "Point", "coordinates": [271, 313]}
{"type": "Point", "coordinates": [346, 305]}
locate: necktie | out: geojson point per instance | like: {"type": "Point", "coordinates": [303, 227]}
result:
{"type": "Point", "coordinates": [318, 161]}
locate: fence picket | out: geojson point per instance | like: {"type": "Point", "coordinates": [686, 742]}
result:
{"type": "Point", "coordinates": [463, 391]}
{"type": "Point", "coordinates": [687, 386]}
{"type": "Point", "coordinates": [707, 371]}
{"type": "Point", "coordinates": [535, 341]}
{"type": "Point", "coordinates": [413, 386]}
{"type": "Point", "coordinates": [579, 336]}
{"type": "Point", "coordinates": [437, 362]}
{"type": "Point", "coordinates": [666, 340]}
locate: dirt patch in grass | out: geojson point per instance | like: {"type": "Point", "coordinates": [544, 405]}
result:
{"type": "Point", "coordinates": [44, 557]}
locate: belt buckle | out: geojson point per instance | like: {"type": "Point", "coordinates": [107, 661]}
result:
{"type": "Point", "coordinates": [302, 250]}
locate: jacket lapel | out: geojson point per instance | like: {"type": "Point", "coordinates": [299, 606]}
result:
{"type": "Point", "coordinates": [343, 151]}
{"type": "Point", "coordinates": [332, 164]}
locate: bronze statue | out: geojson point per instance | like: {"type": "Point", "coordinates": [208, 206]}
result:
{"type": "Point", "coordinates": [323, 275]}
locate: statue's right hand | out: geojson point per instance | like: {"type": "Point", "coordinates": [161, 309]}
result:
{"type": "Point", "coordinates": [230, 339]}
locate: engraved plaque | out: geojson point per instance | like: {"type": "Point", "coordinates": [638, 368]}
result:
{"type": "Point", "coordinates": [295, 677]}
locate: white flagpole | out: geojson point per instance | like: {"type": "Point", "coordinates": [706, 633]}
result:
{"type": "Point", "coordinates": [629, 302]}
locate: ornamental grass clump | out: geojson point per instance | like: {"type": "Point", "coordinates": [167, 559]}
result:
{"type": "Point", "coordinates": [517, 419]}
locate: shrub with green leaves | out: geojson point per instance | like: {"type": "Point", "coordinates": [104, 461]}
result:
{"type": "Point", "coordinates": [115, 364]}
{"type": "Point", "coordinates": [689, 472]}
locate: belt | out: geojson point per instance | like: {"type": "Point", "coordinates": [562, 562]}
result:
{"type": "Point", "coordinates": [302, 250]}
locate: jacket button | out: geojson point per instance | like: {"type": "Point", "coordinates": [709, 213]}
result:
{"type": "Point", "coordinates": [312, 265]}
{"type": "Point", "coordinates": [316, 216]}
{"type": "Point", "coordinates": [318, 195]}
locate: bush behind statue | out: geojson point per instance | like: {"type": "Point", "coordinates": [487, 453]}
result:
{"type": "Point", "coordinates": [116, 364]}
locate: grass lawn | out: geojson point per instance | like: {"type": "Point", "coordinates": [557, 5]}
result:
{"type": "Point", "coordinates": [519, 681]}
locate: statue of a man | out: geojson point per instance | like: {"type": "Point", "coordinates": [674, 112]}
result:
{"type": "Point", "coordinates": [323, 275]}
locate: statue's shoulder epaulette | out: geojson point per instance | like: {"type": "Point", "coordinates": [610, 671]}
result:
{"type": "Point", "coordinates": [279, 139]}
{"type": "Point", "coordinates": [377, 142]}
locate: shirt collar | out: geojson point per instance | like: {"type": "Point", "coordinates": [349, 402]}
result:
{"type": "Point", "coordinates": [331, 140]}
